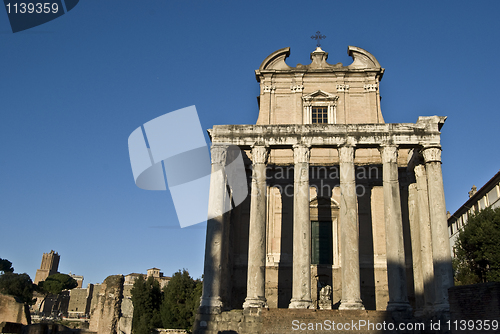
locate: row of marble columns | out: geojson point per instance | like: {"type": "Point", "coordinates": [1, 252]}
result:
{"type": "Point", "coordinates": [437, 257]}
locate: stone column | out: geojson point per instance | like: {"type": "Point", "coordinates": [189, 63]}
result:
{"type": "Point", "coordinates": [257, 235]}
{"type": "Point", "coordinates": [396, 268]}
{"type": "Point", "coordinates": [349, 232]}
{"type": "Point", "coordinates": [443, 272]}
{"type": "Point", "coordinates": [425, 238]}
{"type": "Point", "coordinates": [301, 288]}
{"type": "Point", "coordinates": [418, 280]}
{"type": "Point", "coordinates": [218, 202]}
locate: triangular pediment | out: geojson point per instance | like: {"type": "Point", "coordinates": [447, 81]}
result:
{"type": "Point", "coordinates": [320, 95]}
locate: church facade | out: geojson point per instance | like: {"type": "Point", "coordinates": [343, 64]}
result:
{"type": "Point", "coordinates": [345, 211]}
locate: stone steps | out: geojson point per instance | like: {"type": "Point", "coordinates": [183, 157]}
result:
{"type": "Point", "coordinates": [286, 321]}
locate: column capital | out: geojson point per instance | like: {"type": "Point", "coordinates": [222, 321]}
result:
{"type": "Point", "coordinates": [301, 153]}
{"type": "Point", "coordinates": [389, 153]}
{"type": "Point", "coordinates": [219, 153]}
{"type": "Point", "coordinates": [346, 153]}
{"type": "Point", "coordinates": [259, 154]}
{"type": "Point", "coordinates": [431, 154]}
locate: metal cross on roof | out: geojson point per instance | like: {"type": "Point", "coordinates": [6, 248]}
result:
{"type": "Point", "coordinates": [318, 37]}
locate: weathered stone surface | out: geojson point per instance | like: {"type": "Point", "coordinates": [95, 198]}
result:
{"type": "Point", "coordinates": [106, 315]}
{"type": "Point", "coordinates": [256, 282]}
{"type": "Point", "coordinates": [355, 222]}
{"type": "Point", "coordinates": [12, 311]}
{"type": "Point", "coordinates": [126, 311]}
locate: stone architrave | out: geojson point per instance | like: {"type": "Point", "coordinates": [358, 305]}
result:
{"type": "Point", "coordinates": [257, 234]}
{"type": "Point", "coordinates": [443, 271]}
{"type": "Point", "coordinates": [425, 238]}
{"type": "Point", "coordinates": [301, 277]}
{"type": "Point", "coordinates": [211, 301]}
{"type": "Point", "coordinates": [396, 268]}
{"type": "Point", "coordinates": [349, 232]}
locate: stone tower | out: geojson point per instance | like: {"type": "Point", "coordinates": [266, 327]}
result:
{"type": "Point", "coordinates": [340, 202]}
{"type": "Point", "coordinates": [49, 266]}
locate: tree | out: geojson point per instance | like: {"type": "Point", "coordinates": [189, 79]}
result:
{"type": "Point", "coordinates": [181, 298]}
{"type": "Point", "coordinates": [6, 266]}
{"type": "Point", "coordinates": [55, 284]}
{"type": "Point", "coordinates": [478, 249]}
{"type": "Point", "coordinates": [17, 285]}
{"type": "Point", "coordinates": [146, 297]}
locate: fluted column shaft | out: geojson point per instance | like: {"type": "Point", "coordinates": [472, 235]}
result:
{"type": "Point", "coordinates": [349, 232]}
{"type": "Point", "coordinates": [257, 232]}
{"type": "Point", "coordinates": [425, 238]}
{"type": "Point", "coordinates": [217, 205]}
{"type": "Point", "coordinates": [301, 288]}
{"type": "Point", "coordinates": [396, 268]}
{"type": "Point", "coordinates": [443, 272]}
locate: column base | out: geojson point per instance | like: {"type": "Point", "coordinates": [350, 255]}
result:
{"type": "Point", "coordinates": [255, 303]}
{"type": "Point", "coordinates": [210, 305]}
{"type": "Point", "coordinates": [351, 305]}
{"type": "Point", "coordinates": [399, 307]}
{"type": "Point", "coordinates": [441, 307]}
{"type": "Point", "coordinates": [303, 304]}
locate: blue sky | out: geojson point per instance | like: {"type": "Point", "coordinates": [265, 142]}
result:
{"type": "Point", "coordinates": [72, 91]}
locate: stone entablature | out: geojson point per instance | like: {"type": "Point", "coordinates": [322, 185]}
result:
{"type": "Point", "coordinates": [406, 135]}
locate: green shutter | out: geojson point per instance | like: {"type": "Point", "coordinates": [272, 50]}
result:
{"type": "Point", "coordinates": [321, 242]}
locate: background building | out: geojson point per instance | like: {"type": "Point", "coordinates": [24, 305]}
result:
{"type": "Point", "coordinates": [487, 196]}
{"type": "Point", "coordinates": [49, 266]}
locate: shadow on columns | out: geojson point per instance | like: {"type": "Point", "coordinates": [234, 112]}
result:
{"type": "Point", "coordinates": [286, 248]}
{"type": "Point", "coordinates": [366, 250]}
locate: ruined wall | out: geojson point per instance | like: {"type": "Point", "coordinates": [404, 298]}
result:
{"type": "Point", "coordinates": [12, 311]}
{"type": "Point", "coordinates": [105, 317]}
{"type": "Point", "coordinates": [127, 311]}
{"type": "Point", "coordinates": [475, 302]}
{"type": "Point", "coordinates": [80, 300]}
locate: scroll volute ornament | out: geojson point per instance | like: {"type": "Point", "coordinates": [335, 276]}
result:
{"type": "Point", "coordinates": [301, 153]}
{"type": "Point", "coordinates": [346, 154]}
{"type": "Point", "coordinates": [432, 154]}
{"type": "Point", "coordinates": [259, 154]}
{"type": "Point", "coordinates": [389, 153]}
{"type": "Point", "coordinates": [219, 154]}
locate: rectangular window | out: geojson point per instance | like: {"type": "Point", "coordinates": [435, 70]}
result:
{"type": "Point", "coordinates": [319, 115]}
{"type": "Point", "coordinates": [321, 242]}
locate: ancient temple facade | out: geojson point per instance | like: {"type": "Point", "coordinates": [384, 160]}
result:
{"type": "Point", "coordinates": [344, 210]}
